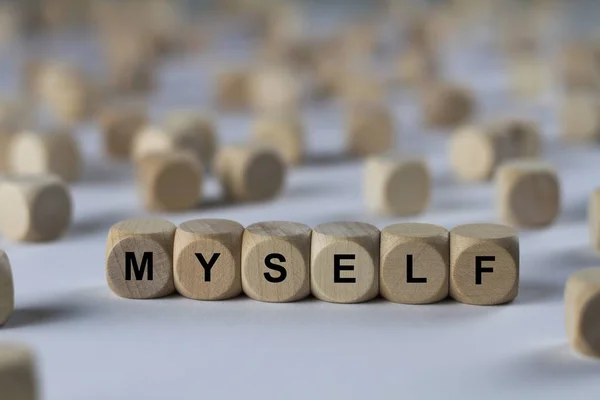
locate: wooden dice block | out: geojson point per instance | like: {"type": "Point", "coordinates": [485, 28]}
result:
{"type": "Point", "coordinates": [54, 152]}
{"type": "Point", "coordinates": [139, 258]}
{"type": "Point", "coordinates": [580, 118]}
{"type": "Point", "coordinates": [190, 130]}
{"type": "Point", "coordinates": [284, 133]}
{"type": "Point", "coordinates": [276, 261]}
{"type": "Point", "coordinates": [594, 219]}
{"type": "Point", "coordinates": [370, 130]}
{"type": "Point", "coordinates": [206, 262]}
{"type": "Point", "coordinates": [232, 92]}
{"type": "Point", "coordinates": [18, 374]}
{"type": "Point", "coordinates": [417, 68]}
{"type": "Point", "coordinates": [522, 137]}
{"type": "Point", "coordinates": [579, 68]}
{"type": "Point", "coordinates": [345, 262]}
{"type": "Point", "coordinates": [529, 76]}
{"type": "Point", "coordinates": [447, 105]}
{"type": "Point", "coordinates": [415, 263]}
{"type": "Point", "coordinates": [359, 88]}
{"type": "Point", "coordinates": [484, 264]}
{"type": "Point", "coordinates": [582, 305]}
{"type": "Point", "coordinates": [119, 125]}
{"type": "Point", "coordinates": [7, 290]}
{"type": "Point", "coordinates": [170, 181]}
{"type": "Point", "coordinates": [35, 208]}
{"type": "Point", "coordinates": [528, 193]}
{"type": "Point", "coordinates": [396, 185]}
{"type": "Point", "coordinates": [274, 90]}
{"type": "Point", "coordinates": [251, 172]}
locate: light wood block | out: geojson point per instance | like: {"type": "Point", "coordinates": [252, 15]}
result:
{"type": "Point", "coordinates": [594, 219]}
{"type": "Point", "coordinates": [417, 68]}
{"type": "Point", "coordinates": [396, 185]}
{"type": "Point", "coordinates": [580, 118]}
{"type": "Point", "coordinates": [193, 131]}
{"type": "Point", "coordinates": [447, 105]}
{"type": "Point", "coordinates": [35, 208]}
{"type": "Point", "coordinates": [345, 262]}
{"type": "Point", "coordinates": [371, 129]}
{"type": "Point", "coordinates": [529, 76]}
{"type": "Point", "coordinates": [18, 372]}
{"type": "Point", "coordinates": [207, 261]}
{"type": "Point", "coordinates": [252, 172]}
{"type": "Point", "coordinates": [139, 258]}
{"type": "Point", "coordinates": [276, 261]}
{"type": "Point", "coordinates": [579, 68]}
{"type": "Point", "coordinates": [484, 264]}
{"type": "Point", "coordinates": [232, 91]}
{"type": "Point", "coordinates": [285, 133]}
{"type": "Point", "coordinates": [528, 193]}
{"type": "Point", "coordinates": [120, 124]}
{"type": "Point", "coordinates": [414, 264]}
{"type": "Point", "coordinates": [275, 89]}
{"type": "Point", "coordinates": [7, 290]}
{"type": "Point", "coordinates": [360, 88]}
{"type": "Point", "coordinates": [54, 152]}
{"type": "Point", "coordinates": [582, 305]}
{"type": "Point", "coordinates": [170, 181]}
{"type": "Point", "coordinates": [523, 137]}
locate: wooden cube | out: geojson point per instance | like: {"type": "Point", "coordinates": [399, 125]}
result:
{"type": "Point", "coordinates": [232, 92]}
{"type": "Point", "coordinates": [484, 264]}
{"type": "Point", "coordinates": [529, 76]}
{"type": "Point", "coordinates": [528, 193]}
{"type": "Point", "coordinates": [370, 130]}
{"type": "Point", "coordinates": [170, 181]}
{"type": "Point", "coordinates": [414, 263]}
{"type": "Point", "coordinates": [582, 305]}
{"type": "Point", "coordinates": [417, 68]}
{"type": "Point", "coordinates": [447, 105]}
{"type": "Point", "coordinates": [252, 172]}
{"type": "Point", "coordinates": [120, 124]}
{"type": "Point", "coordinates": [18, 373]}
{"type": "Point", "coordinates": [522, 137]}
{"type": "Point", "coordinates": [276, 261]}
{"type": "Point", "coordinates": [359, 89]}
{"type": "Point", "coordinates": [206, 261]}
{"type": "Point", "coordinates": [55, 152]}
{"type": "Point", "coordinates": [275, 89]}
{"type": "Point", "coordinates": [193, 131]}
{"type": "Point", "coordinates": [580, 118]}
{"type": "Point", "coordinates": [284, 133]}
{"type": "Point", "coordinates": [594, 219]}
{"type": "Point", "coordinates": [396, 185]}
{"type": "Point", "coordinates": [7, 290]}
{"type": "Point", "coordinates": [35, 208]}
{"type": "Point", "coordinates": [345, 262]}
{"type": "Point", "coordinates": [139, 258]}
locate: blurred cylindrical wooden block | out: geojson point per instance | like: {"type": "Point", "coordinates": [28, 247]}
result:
{"type": "Point", "coordinates": [371, 129]}
{"type": "Point", "coordinates": [417, 68]}
{"type": "Point", "coordinates": [580, 68]}
{"type": "Point", "coordinates": [18, 372]}
{"type": "Point", "coordinates": [54, 152]}
{"type": "Point", "coordinates": [396, 185]}
{"type": "Point", "coordinates": [7, 289]}
{"type": "Point", "coordinates": [594, 219]}
{"type": "Point", "coordinates": [359, 89]}
{"type": "Point", "coordinates": [582, 305]}
{"type": "Point", "coordinates": [170, 181]}
{"type": "Point", "coordinates": [194, 132]}
{"type": "Point", "coordinates": [484, 264]}
{"type": "Point", "coordinates": [251, 172]}
{"type": "Point", "coordinates": [275, 89]}
{"type": "Point", "coordinates": [119, 126]}
{"type": "Point", "coordinates": [580, 118]}
{"type": "Point", "coordinates": [207, 263]}
{"type": "Point", "coordinates": [415, 263]}
{"type": "Point", "coordinates": [447, 105]}
{"type": "Point", "coordinates": [345, 262]}
{"type": "Point", "coordinates": [232, 91]}
{"type": "Point", "coordinates": [529, 76]}
{"type": "Point", "coordinates": [35, 208]}
{"type": "Point", "coordinates": [276, 261]}
{"type": "Point", "coordinates": [528, 193]}
{"type": "Point", "coordinates": [524, 139]}
{"type": "Point", "coordinates": [139, 258]}
{"type": "Point", "coordinates": [285, 133]}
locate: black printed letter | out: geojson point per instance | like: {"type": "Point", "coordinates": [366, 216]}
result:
{"type": "Point", "coordinates": [278, 268]}
{"type": "Point", "coordinates": [337, 268]}
{"type": "Point", "coordinates": [131, 262]}
{"type": "Point", "coordinates": [207, 266]}
{"type": "Point", "coordinates": [479, 269]}
{"type": "Point", "coordinates": [409, 271]}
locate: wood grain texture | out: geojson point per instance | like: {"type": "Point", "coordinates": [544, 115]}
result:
{"type": "Point", "coordinates": [467, 242]}
{"type": "Point", "coordinates": [35, 208]}
{"type": "Point", "coordinates": [170, 181]}
{"type": "Point", "coordinates": [582, 305]}
{"type": "Point", "coordinates": [194, 131]}
{"type": "Point", "coordinates": [447, 105]}
{"type": "Point", "coordinates": [54, 151]}
{"type": "Point", "coordinates": [251, 172]}
{"type": "Point", "coordinates": [206, 238]}
{"type": "Point", "coordinates": [18, 372]}
{"type": "Point", "coordinates": [276, 261]}
{"type": "Point", "coordinates": [396, 185]}
{"type": "Point", "coordinates": [414, 263]}
{"type": "Point", "coordinates": [594, 219]}
{"type": "Point", "coordinates": [356, 246]}
{"type": "Point", "coordinates": [7, 290]}
{"type": "Point", "coordinates": [285, 133]}
{"type": "Point", "coordinates": [371, 129]}
{"type": "Point", "coordinates": [120, 124]}
{"type": "Point", "coordinates": [139, 236]}
{"type": "Point", "coordinates": [528, 193]}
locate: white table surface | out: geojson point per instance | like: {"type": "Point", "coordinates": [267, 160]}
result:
{"type": "Point", "coordinates": [93, 345]}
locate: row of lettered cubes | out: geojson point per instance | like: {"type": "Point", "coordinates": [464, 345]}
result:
{"type": "Point", "coordinates": [340, 262]}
